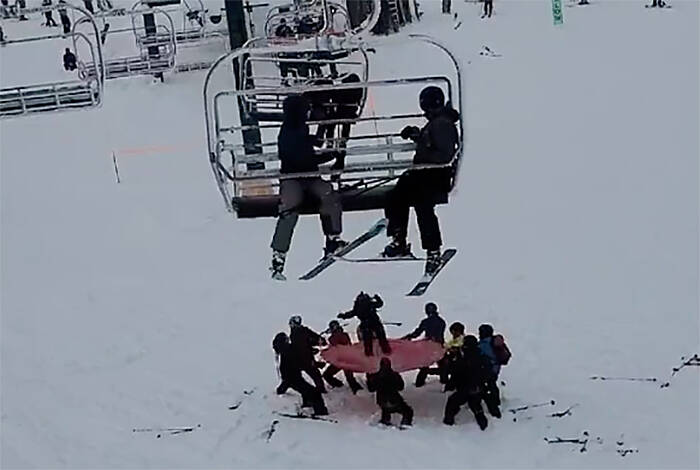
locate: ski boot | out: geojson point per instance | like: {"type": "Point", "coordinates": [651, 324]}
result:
{"type": "Point", "coordinates": [397, 248]}
{"type": "Point", "coordinates": [494, 410]}
{"type": "Point", "coordinates": [333, 244]}
{"type": "Point", "coordinates": [481, 421]}
{"type": "Point", "coordinates": [433, 262]}
{"type": "Point", "coordinates": [355, 387]}
{"type": "Point", "coordinates": [449, 420]}
{"type": "Point", "coordinates": [278, 258]}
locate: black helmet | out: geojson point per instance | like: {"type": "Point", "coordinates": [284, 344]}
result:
{"type": "Point", "coordinates": [385, 363]}
{"type": "Point", "coordinates": [334, 325]}
{"type": "Point", "coordinates": [281, 339]}
{"type": "Point", "coordinates": [485, 331]}
{"type": "Point", "coordinates": [295, 320]}
{"type": "Point", "coordinates": [431, 98]}
{"type": "Point", "coordinates": [470, 342]}
{"type": "Point", "coordinates": [431, 308]}
{"type": "Point", "coordinates": [457, 327]}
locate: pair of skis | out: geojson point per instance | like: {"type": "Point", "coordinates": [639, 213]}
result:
{"type": "Point", "coordinates": [375, 230]}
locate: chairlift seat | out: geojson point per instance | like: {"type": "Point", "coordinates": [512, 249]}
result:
{"type": "Point", "coordinates": [355, 199]}
{"type": "Point", "coordinates": [18, 101]}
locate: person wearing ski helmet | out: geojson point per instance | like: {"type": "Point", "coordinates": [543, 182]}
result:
{"type": "Point", "coordinates": [290, 368]}
{"type": "Point", "coordinates": [371, 327]}
{"type": "Point", "coordinates": [295, 147]}
{"type": "Point", "coordinates": [387, 383]}
{"type": "Point", "coordinates": [305, 343]}
{"type": "Point", "coordinates": [339, 337]}
{"type": "Point", "coordinates": [436, 144]}
{"type": "Point", "coordinates": [433, 326]}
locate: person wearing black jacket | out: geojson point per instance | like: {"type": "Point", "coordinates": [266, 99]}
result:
{"type": "Point", "coordinates": [297, 155]}
{"type": "Point", "coordinates": [434, 328]}
{"type": "Point", "coordinates": [65, 19]}
{"type": "Point", "coordinates": [436, 143]}
{"type": "Point", "coordinates": [69, 61]}
{"type": "Point", "coordinates": [365, 309]}
{"type": "Point", "coordinates": [305, 341]}
{"type": "Point", "coordinates": [290, 371]}
{"type": "Point", "coordinates": [468, 377]}
{"type": "Point", "coordinates": [388, 383]}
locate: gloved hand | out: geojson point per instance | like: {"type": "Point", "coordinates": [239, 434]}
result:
{"type": "Point", "coordinates": [377, 298]}
{"type": "Point", "coordinates": [410, 133]}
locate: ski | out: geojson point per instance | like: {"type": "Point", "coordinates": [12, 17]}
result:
{"type": "Point", "coordinates": [379, 259]}
{"type": "Point", "coordinates": [327, 261]}
{"type": "Point", "coordinates": [536, 405]}
{"type": "Point", "coordinates": [427, 279]}
{"type": "Point", "coordinates": [239, 402]}
{"type": "Point", "coordinates": [303, 416]}
{"type": "Point", "coordinates": [171, 431]}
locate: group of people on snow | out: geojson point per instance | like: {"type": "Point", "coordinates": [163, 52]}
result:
{"type": "Point", "coordinates": [469, 368]}
{"type": "Point", "coordinates": [436, 144]}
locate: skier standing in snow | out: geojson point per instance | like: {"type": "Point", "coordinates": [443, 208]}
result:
{"type": "Point", "coordinates": [434, 328]}
{"type": "Point", "coordinates": [371, 327]}
{"type": "Point", "coordinates": [436, 143]}
{"type": "Point", "coordinates": [283, 30]}
{"type": "Point", "coordinates": [69, 60]}
{"type": "Point", "coordinates": [488, 8]}
{"type": "Point", "coordinates": [305, 342]}
{"type": "Point", "coordinates": [290, 369]}
{"type": "Point", "coordinates": [468, 377]}
{"type": "Point", "coordinates": [339, 338]}
{"type": "Point", "coordinates": [494, 348]}
{"type": "Point", "coordinates": [297, 155]}
{"type": "Point", "coordinates": [50, 22]}
{"type": "Point", "coordinates": [65, 20]}
{"type": "Point", "coordinates": [388, 383]}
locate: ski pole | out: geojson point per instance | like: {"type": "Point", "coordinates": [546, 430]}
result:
{"type": "Point", "coordinates": [628, 379]}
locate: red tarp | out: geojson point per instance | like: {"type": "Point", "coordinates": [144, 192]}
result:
{"type": "Point", "coordinates": [405, 355]}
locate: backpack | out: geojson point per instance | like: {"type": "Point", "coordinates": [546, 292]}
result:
{"type": "Point", "coordinates": [500, 350]}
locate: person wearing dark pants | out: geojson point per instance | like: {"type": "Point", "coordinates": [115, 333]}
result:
{"type": "Point", "coordinates": [387, 383]}
{"type": "Point", "coordinates": [89, 6]}
{"type": "Point", "coordinates": [434, 329]}
{"type": "Point", "coordinates": [469, 375]}
{"type": "Point", "coordinates": [436, 144]}
{"type": "Point", "coordinates": [371, 327]}
{"type": "Point", "coordinates": [65, 20]}
{"type": "Point", "coordinates": [488, 8]}
{"type": "Point", "coordinates": [447, 6]}
{"type": "Point", "coordinates": [296, 152]}
{"type": "Point", "coordinates": [290, 371]}
{"type": "Point", "coordinates": [339, 338]}
{"type": "Point", "coordinates": [304, 341]}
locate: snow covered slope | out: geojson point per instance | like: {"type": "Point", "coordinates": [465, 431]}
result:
{"type": "Point", "coordinates": [144, 304]}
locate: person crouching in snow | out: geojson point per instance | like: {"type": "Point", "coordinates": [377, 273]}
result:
{"type": "Point", "coordinates": [388, 383]}
{"type": "Point", "coordinates": [339, 337]}
{"type": "Point", "coordinates": [290, 368]}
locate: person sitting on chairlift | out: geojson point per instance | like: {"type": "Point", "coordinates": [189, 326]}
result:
{"type": "Point", "coordinates": [69, 61]}
{"type": "Point", "coordinates": [436, 143]}
{"type": "Point", "coordinates": [296, 151]}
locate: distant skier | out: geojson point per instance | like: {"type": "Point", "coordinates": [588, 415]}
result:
{"type": "Point", "coordinates": [436, 143]}
{"type": "Point", "coordinates": [290, 369]}
{"type": "Point", "coordinates": [283, 30]}
{"type": "Point", "coordinates": [434, 328]}
{"type": "Point", "coordinates": [69, 60]}
{"type": "Point", "coordinates": [297, 155]}
{"type": "Point", "coordinates": [89, 6]}
{"type": "Point", "coordinates": [447, 6]}
{"type": "Point", "coordinates": [2, 36]}
{"type": "Point", "coordinates": [371, 327]}
{"type": "Point", "coordinates": [469, 376]}
{"type": "Point", "coordinates": [488, 8]}
{"type": "Point", "coordinates": [658, 3]}
{"type": "Point", "coordinates": [65, 20]}
{"type": "Point", "coordinates": [388, 383]}
{"type": "Point", "coordinates": [50, 22]}
{"type": "Point", "coordinates": [339, 338]}
{"type": "Point", "coordinates": [21, 6]}
{"type": "Point", "coordinates": [305, 341]}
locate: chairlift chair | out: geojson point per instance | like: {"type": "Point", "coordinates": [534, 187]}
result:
{"type": "Point", "coordinates": [243, 147]}
{"type": "Point", "coordinates": [64, 95]}
{"type": "Point", "coordinates": [155, 47]}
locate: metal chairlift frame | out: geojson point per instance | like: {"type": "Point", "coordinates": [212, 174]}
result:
{"type": "Point", "coordinates": [144, 63]}
{"type": "Point", "coordinates": [248, 187]}
{"type": "Point", "coordinates": [69, 95]}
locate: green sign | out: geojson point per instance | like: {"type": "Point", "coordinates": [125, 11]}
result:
{"type": "Point", "coordinates": [557, 12]}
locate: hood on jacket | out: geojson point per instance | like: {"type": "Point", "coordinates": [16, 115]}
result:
{"type": "Point", "coordinates": [447, 111]}
{"type": "Point", "coordinates": [295, 110]}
